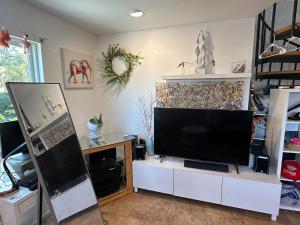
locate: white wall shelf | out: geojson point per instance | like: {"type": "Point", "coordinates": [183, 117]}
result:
{"type": "Point", "coordinates": [260, 139]}
{"type": "Point", "coordinates": [260, 114]}
{"type": "Point", "coordinates": [293, 122]}
{"type": "Point", "coordinates": [285, 150]}
{"type": "Point", "coordinates": [208, 76]}
{"type": "Point", "coordinates": [288, 207]}
{"type": "Point", "coordinates": [285, 179]}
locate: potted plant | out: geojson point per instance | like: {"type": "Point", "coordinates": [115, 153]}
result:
{"type": "Point", "coordinates": [146, 110]}
{"type": "Point", "coordinates": [94, 126]}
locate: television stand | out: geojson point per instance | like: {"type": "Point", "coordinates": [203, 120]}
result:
{"type": "Point", "coordinates": [206, 166]}
{"type": "Point", "coordinates": [246, 190]}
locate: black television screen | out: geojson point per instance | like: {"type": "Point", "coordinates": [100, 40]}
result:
{"type": "Point", "coordinates": [11, 137]}
{"type": "Point", "coordinates": [203, 134]}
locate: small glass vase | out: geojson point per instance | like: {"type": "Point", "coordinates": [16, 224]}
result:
{"type": "Point", "coordinates": [149, 147]}
{"type": "Point", "coordinates": [94, 132]}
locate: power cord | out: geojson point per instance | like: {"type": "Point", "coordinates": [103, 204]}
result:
{"type": "Point", "coordinates": [14, 183]}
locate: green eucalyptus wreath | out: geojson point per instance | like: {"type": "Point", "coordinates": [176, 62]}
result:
{"type": "Point", "coordinates": [113, 51]}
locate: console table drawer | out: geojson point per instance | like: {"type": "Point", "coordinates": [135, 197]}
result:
{"type": "Point", "coordinates": [27, 204]}
{"type": "Point", "coordinates": [199, 186]}
{"type": "Point", "coordinates": [153, 178]}
{"type": "Point", "coordinates": [251, 195]}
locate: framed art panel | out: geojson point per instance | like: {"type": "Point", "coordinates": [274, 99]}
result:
{"type": "Point", "coordinates": [77, 69]}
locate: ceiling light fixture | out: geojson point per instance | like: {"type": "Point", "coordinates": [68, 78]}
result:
{"type": "Point", "coordinates": [137, 13]}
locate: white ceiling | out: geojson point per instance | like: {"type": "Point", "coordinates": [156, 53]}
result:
{"type": "Point", "coordinates": [112, 16]}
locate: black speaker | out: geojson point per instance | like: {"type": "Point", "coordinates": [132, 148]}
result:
{"type": "Point", "coordinates": [142, 141]}
{"type": "Point", "coordinates": [262, 163]}
{"type": "Point", "coordinates": [139, 151]}
{"type": "Point", "coordinates": [257, 147]}
{"type": "Point", "coordinates": [134, 140]}
{"type": "Point", "coordinates": [206, 165]}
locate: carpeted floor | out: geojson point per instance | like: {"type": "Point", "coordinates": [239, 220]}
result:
{"type": "Point", "coordinates": [149, 208]}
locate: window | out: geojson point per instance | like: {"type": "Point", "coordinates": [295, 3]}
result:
{"type": "Point", "coordinates": [16, 66]}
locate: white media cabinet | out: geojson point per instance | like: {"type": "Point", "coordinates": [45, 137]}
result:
{"type": "Point", "coordinates": [246, 190]}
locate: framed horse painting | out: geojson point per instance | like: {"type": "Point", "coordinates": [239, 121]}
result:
{"type": "Point", "coordinates": [77, 69]}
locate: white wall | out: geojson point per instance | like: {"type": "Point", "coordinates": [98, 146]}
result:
{"type": "Point", "coordinates": [163, 50]}
{"type": "Point", "coordinates": [22, 17]}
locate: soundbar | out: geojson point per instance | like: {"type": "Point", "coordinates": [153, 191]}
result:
{"type": "Point", "coordinates": [206, 166]}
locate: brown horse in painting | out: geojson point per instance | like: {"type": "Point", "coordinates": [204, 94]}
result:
{"type": "Point", "coordinates": [80, 67]}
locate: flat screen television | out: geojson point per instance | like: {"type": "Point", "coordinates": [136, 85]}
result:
{"type": "Point", "coordinates": [11, 137]}
{"type": "Point", "coordinates": [203, 134]}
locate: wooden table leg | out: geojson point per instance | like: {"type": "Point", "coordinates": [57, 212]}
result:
{"type": "Point", "coordinates": [128, 162]}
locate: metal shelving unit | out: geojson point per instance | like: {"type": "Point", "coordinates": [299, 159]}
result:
{"type": "Point", "coordinates": [267, 29]}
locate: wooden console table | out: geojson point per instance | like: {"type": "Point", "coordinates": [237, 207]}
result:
{"type": "Point", "coordinates": [109, 141]}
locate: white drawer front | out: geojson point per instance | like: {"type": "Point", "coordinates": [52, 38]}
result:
{"type": "Point", "coordinates": [153, 178]}
{"type": "Point", "coordinates": [251, 195]}
{"type": "Point", "coordinates": [27, 204]}
{"type": "Point", "coordinates": [199, 186]}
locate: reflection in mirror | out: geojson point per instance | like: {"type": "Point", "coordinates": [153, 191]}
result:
{"type": "Point", "coordinates": [40, 106]}
{"type": "Point", "coordinates": [55, 151]}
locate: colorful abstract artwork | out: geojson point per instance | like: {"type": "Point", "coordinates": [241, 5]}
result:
{"type": "Point", "coordinates": [58, 133]}
{"type": "Point", "coordinates": [208, 94]}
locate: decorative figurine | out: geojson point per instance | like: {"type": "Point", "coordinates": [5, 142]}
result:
{"type": "Point", "coordinates": [182, 65]}
{"type": "Point", "coordinates": [25, 43]}
{"type": "Point", "coordinates": [4, 37]}
{"type": "Point", "coordinates": [239, 67]}
{"type": "Point", "coordinates": [200, 52]}
{"type": "Point", "coordinates": [213, 63]}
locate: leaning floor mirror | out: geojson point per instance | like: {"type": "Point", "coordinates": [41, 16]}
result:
{"type": "Point", "coordinates": [55, 151]}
